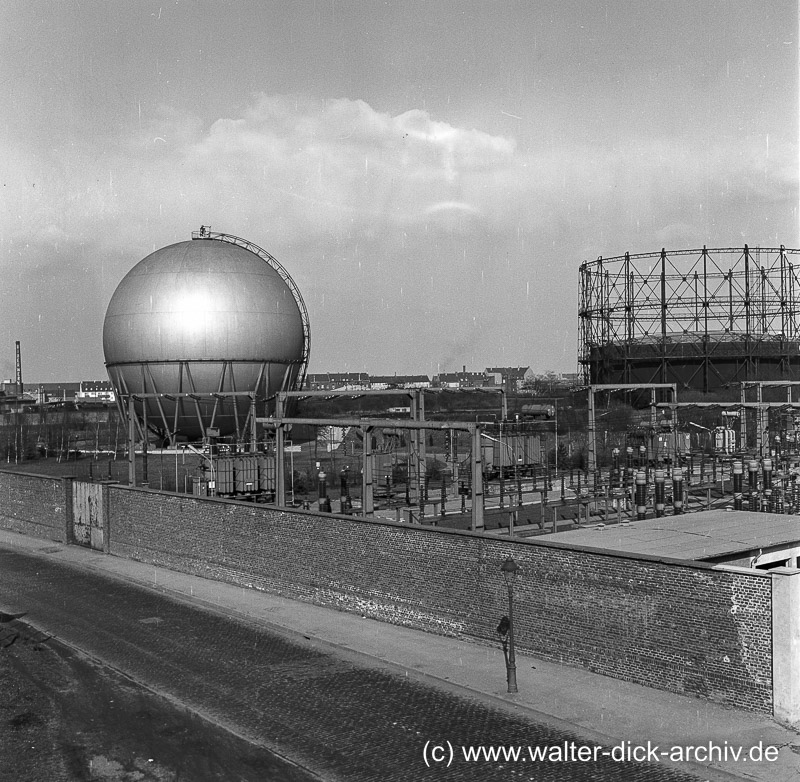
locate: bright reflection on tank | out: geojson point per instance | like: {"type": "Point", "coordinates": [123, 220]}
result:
{"type": "Point", "coordinates": [193, 311]}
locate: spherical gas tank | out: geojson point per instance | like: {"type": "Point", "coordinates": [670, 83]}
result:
{"type": "Point", "coordinates": [202, 317]}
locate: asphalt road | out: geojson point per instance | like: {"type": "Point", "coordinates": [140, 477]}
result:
{"type": "Point", "coordinates": [330, 714]}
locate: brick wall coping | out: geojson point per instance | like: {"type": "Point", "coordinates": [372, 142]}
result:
{"type": "Point", "coordinates": [36, 475]}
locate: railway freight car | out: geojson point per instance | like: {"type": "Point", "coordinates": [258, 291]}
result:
{"type": "Point", "coordinates": [245, 476]}
{"type": "Point", "coordinates": [510, 455]}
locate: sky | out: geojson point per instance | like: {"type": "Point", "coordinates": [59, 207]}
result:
{"type": "Point", "coordinates": [431, 174]}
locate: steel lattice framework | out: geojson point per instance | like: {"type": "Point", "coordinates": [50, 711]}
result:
{"type": "Point", "coordinates": [284, 275]}
{"type": "Point", "coordinates": [700, 318]}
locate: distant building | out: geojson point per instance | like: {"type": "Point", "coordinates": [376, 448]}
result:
{"type": "Point", "coordinates": [383, 382]}
{"type": "Point", "coordinates": [337, 381]}
{"type": "Point", "coordinates": [47, 393]}
{"type": "Point", "coordinates": [10, 398]}
{"type": "Point", "coordinates": [96, 391]}
{"type": "Point", "coordinates": [464, 379]}
{"type": "Point", "coordinates": [510, 378]}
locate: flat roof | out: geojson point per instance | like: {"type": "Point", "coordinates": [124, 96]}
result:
{"type": "Point", "coordinates": [693, 536]}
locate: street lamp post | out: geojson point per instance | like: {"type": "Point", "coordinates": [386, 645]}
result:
{"type": "Point", "coordinates": [509, 570]}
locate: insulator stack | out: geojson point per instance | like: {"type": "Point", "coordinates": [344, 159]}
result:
{"type": "Point", "coordinates": [752, 483]}
{"type": "Point", "coordinates": [659, 492]}
{"type": "Point", "coordinates": [767, 502]}
{"type": "Point", "coordinates": [738, 471]}
{"type": "Point", "coordinates": [779, 499]}
{"type": "Point", "coordinates": [641, 495]}
{"type": "Point", "coordinates": [629, 465]}
{"type": "Point", "coordinates": [677, 491]}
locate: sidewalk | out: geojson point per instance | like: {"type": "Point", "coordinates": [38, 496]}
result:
{"type": "Point", "coordinates": [601, 709]}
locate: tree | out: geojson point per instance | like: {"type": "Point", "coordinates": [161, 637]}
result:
{"type": "Point", "coordinates": [543, 385]}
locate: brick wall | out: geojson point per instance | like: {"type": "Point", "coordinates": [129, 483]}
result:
{"type": "Point", "coordinates": [33, 505]}
{"type": "Point", "coordinates": [690, 628]}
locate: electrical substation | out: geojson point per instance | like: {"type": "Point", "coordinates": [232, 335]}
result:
{"type": "Point", "coordinates": [689, 362]}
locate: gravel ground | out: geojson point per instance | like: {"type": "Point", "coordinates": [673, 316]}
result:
{"type": "Point", "coordinates": [67, 718]}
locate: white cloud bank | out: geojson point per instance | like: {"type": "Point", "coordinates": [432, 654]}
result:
{"type": "Point", "coordinates": [294, 165]}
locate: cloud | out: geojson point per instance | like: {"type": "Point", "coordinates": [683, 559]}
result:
{"type": "Point", "coordinates": [316, 166]}
{"type": "Point", "coordinates": [407, 213]}
{"type": "Point", "coordinates": [299, 166]}
{"type": "Point", "coordinates": [451, 206]}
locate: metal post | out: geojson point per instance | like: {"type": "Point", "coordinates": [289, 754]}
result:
{"type": "Point", "coordinates": [509, 570]}
{"type": "Point", "coordinates": [280, 489]}
{"type": "Point", "coordinates": [131, 442]}
{"type": "Point", "coordinates": [512, 661]}
{"type": "Point", "coordinates": [663, 317]}
{"type": "Point", "coordinates": [547, 461]}
{"type": "Point", "coordinates": [367, 497]}
{"type": "Point", "coordinates": [477, 481]}
{"type": "Point", "coordinates": [280, 467]}
{"type": "Point", "coordinates": [145, 478]}
{"type": "Point", "coordinates": [422, 464]}
{"type": "Point", "coordinates": [503, 467]}
{"type": "Point", "coordinates": [592, 443]}
{"type": "Point", "coordinates": [743, 420]}
{"type": "Point", "coordinates": [453, 438]}
{"type": "Point", "coordinates": [253, 425]}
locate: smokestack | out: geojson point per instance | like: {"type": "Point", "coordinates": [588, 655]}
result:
{"type": "Point", "coordinates": [19, 370]}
